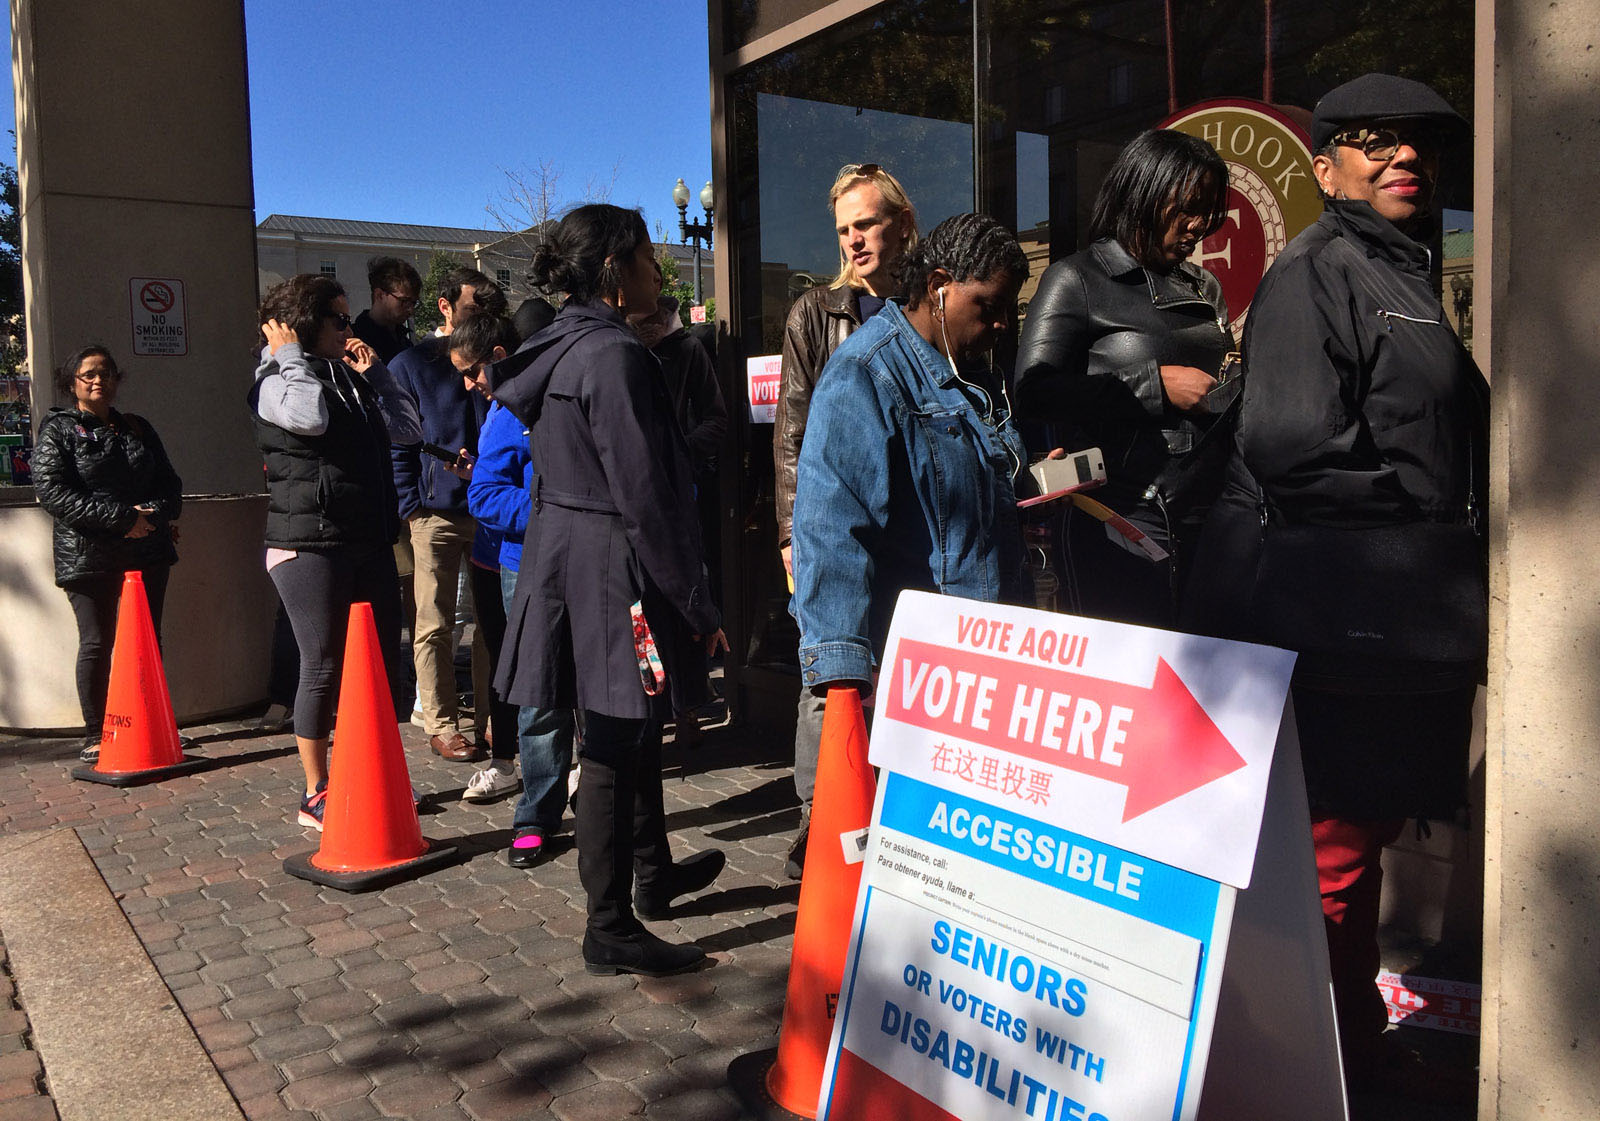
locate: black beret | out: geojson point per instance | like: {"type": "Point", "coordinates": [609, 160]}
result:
{"type": "Point", "coordinates": [1381, 97]}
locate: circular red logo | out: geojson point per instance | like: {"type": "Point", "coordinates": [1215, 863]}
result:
{"type": "Point", "coordinates": [157, 297]}
{"type": "Point", "coordinates": [1271, 193]}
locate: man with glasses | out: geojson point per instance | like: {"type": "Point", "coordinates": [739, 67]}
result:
{"type": "Point", "coordinates": [1359, 541]}
{"type": "Point", "coordinates": [875, 224]}
{"type": "Point", "coordinates": [396, 288]}
{"type": "Point", "coordinates": [433, 503]}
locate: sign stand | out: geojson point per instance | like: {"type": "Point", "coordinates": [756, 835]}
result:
{"type": "Point", "coordinates": [1274, 1047]}
{"type": "Point", "coordinates": [1089, 891]}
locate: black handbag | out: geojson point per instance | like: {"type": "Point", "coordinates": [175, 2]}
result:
{"type": "Point", "coordinates": [1192, 480]}
{"type": "Point", "coordinates": [1399, 608]}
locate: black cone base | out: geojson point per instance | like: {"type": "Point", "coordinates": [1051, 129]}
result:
{"type": "Point", "coordinates": [748, 1076]}
{"type": "Point", "coordinates": [438, 856]}
{"type": "Point", "coordinates": [87, 773]}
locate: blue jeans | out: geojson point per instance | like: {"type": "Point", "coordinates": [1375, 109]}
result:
{"type": "Point", "coordinates": [544, 744]}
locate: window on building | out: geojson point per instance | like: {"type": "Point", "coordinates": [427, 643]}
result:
{"type": "Point", "coordinates": [893, 87]}
{"type": "Point", "coordinates": [1055, 105]}
{"type": "Point", "coordinates": [329, 268]}
{"type": "Point", "coordinates": [502, 277]}
{"type": "Point", "coordinates": [1119, 83]}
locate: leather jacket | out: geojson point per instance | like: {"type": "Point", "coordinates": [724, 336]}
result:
{"type": "Point", "coordinates": [1099, 328]}
{"type": "Point", "coordinates": [89, 475]}
{"type": "Point", "coordinates": [818, 322]}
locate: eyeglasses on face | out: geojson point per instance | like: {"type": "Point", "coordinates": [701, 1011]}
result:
{"type": "Point", "coordinates": [340, 320]}
{"type": "Point", "coordinates": [97, 375]}
{"type": "Point", "coordinates": [1383, 144]}
{"type": "Point", "coordinates": [865, 170]}
{"type": "Point", "coordinates": [403, 301]}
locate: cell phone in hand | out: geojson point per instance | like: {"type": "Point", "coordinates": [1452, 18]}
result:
{"type": "Point", "coordinates": [1080, 470]}
{"type": "Point", "coordinates": [438, 451]}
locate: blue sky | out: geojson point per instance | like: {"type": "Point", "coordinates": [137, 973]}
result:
{"type": "Point", "coordinates": [402, 111]}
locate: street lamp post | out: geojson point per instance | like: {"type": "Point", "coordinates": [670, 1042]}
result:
{"type": "Point", "coordinates": [695, 230]}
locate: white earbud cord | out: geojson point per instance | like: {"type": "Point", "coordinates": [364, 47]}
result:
{"type": "Point", "coordinates": [988, 416]}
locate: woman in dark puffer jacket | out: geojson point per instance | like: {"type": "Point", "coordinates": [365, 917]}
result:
{"type": "Point", "coordinates": [106, 480]}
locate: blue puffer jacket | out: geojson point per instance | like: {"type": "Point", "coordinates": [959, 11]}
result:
{"type": "Point", "coordinates": [902, 484]}
{"type": "Point", "coordinates": [452, 416]}
{"type": "Point", "coordinates": [498, 495]}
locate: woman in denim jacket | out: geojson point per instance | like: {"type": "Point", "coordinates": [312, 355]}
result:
{"type": "Point", "coordinates": [906, 474]}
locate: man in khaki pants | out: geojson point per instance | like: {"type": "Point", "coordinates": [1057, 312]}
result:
{"type": "Point", "coordinates": [433, 502]}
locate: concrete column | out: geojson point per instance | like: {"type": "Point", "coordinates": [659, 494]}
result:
{"type": "Point", "coordinates": [1538, 65]}
{"type": "Point", "coordinates": [133, 132]}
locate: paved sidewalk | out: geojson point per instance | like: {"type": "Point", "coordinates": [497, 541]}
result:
{"type": "Point", "coordinates": [460, 995]}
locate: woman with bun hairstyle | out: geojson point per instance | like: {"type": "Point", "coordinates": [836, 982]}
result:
{"type": "Point", "coordinates": [611, 580]}
{"type": "Point", "coordinates": [325, 412]}
{"type": "Point", "coordinates": [106, 481]}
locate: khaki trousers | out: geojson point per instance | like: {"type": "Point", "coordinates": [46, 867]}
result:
{"type": "Point", "coordinates": [440, 544]}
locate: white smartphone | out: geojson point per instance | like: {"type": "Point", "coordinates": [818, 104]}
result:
{"type": "Point", "coordinates": [1078, 469]}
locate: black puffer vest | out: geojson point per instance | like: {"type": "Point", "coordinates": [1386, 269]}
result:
{"type": "Point", "coordinates": [336, 488]}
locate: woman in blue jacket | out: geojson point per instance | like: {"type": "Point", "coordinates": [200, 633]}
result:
{"type": "Point", "coordinates": [499, 501]}
{"type": "Point", "coordinates": [906, 474]}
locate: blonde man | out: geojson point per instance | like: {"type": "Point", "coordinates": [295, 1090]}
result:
{"type": "Point", "coordinates": [876, 224]}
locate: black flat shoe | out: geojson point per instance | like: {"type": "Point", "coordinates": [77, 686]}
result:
{"type": "Point", "coordinates": [685, 877]}
{"type": "Point", "coordinates": [641, 953]}
{"type": "Point", "coordinates": [527, 848]}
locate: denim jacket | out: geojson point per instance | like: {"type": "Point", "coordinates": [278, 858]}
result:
{"type": "Point", "coordinates": [901, 484]}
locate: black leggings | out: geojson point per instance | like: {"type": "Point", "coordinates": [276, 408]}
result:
{"type": "Point", "coordinates": [317, 589]}
{"type": "Point", "coordinates": [95, 600]}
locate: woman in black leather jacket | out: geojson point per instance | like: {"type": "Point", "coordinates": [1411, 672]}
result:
{"type": "Point", "coordinates": [1122, 343]}
{"type": "Point", "coordinates": [106, 480]}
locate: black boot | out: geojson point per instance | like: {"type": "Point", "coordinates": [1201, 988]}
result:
{"type": "Point", "coordinates": [639, 953]}
{"type": "Point", "coordinates": [683, 878]}
{"type": "Point", "coordinates": [605, 848]}
{"type": "Point", "coordinates": [659, 880]}
{"type": "Point", "coordinates": [615, 941]}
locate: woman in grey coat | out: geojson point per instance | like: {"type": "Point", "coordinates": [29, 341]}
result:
{"type": "Point", "coordinates": [612, 581]}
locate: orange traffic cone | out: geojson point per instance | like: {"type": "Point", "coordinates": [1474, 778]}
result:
{"type": "Point", "coordinates": [370, 833]}
{"type": "Point", "coordinates": [139, 739]}
{"type": "Point", "coordinates": [787, 1082]}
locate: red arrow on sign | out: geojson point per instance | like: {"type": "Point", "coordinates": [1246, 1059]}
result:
{"type": "Point", "coordinates": [1156, 740]}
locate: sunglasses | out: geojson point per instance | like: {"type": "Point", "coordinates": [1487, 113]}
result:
{"type": "Point", "coordinates": [403, 301]}
{"type": "Point", "coordinates": [1382, 144]}
{"type": "Point", "coordinates": [865, 170]}
{"type": "Point", "coordinates": [340, 320]}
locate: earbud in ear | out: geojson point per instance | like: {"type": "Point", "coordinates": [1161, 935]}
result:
{"type": "Point", "coordinates": [941, 299]}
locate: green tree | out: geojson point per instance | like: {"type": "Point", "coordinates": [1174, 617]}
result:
{"type": "Point", "coordinates": [427, 317]}
{"type": "Point", "coordinates": [13, 333]}
{"type": "Point", "coordinates": [673, 284]}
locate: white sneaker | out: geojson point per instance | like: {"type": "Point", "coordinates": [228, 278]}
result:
{"type": "Point", "coordinates": [490, 782]}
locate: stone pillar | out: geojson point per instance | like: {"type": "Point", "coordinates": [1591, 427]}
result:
{"type": "Point", "coordinates": [1538, 132]}
{"type": "Point", "coordinates": [133, 131]}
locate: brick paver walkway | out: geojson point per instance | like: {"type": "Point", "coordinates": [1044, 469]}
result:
{"type": "Point", "coordinates": [460, 995]}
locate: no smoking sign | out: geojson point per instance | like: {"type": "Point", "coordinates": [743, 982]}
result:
{"type": "Point", "coordinates": [160, 318]}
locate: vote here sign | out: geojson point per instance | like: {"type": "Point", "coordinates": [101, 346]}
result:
{"type": "Point", "coordinates": [1152, 741]}
{"type": "Point", "coordinates": [1066, 809]}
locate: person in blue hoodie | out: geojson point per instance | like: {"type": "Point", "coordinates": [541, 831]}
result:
{"type": "Point", "coordinates": [498, 498]}
{"type": "Point", "coordinates": [433, 502]}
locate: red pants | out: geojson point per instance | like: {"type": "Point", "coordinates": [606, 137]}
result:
{"type": "Point", "coordinates": [1350, 878]}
